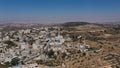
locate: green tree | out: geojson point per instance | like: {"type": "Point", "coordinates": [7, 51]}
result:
{"type": "Point", "coordinates": [40, 62]}
{"type": "Point", "coordinates": [15, 61]}
{"type": "Point", "coordinates": [10, 44]}
{"type": "Point", "coordinates": [7, 64]}
{"type": "Point", "coordinates": [50, 53]}
{"type": "Point", "coordinates": [64, 55]}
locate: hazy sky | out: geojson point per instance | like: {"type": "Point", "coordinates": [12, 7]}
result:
{"type": "Point", "coordinates": [57, 11]}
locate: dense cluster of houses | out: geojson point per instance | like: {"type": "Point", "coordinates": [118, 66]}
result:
{"type": "Point", "coordinates": [30, 44]}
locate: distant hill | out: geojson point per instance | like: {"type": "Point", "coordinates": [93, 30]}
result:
{"type": "Point", "coordinates": [74, 23]}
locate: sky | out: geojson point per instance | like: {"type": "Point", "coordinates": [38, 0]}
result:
{"type": "Point", "coordinates": [59, 11]}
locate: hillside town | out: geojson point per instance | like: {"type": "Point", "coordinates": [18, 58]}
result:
{"type": "Point", "coordinates": [80, 45]}
{"type": "Point", "coordinates": [23, 48]}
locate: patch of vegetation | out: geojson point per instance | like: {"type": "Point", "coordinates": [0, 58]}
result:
{"type": "Point", "coordinates": [64, 55]}
{"type": "Point", "coordinates": [94, 38]}
{"type": "Point", "coordinates": [15, 61]}
{"type": "Point", "coordinates": [74, 37]}
{"type": "Point", "coordinates": [68, 24]}
{"type": "Point", "coordinates": [40, 62]}
{"type": "Point", "coordinates": [1, 51]}
{"type": "Point", "coordinates": [8, 64]}
{"type": "Point", "coordinates": [50, 53]}
{"type": "Point", "coordinates": [48, 62]}
{"type": "Point", "coordinates": [10, 44]}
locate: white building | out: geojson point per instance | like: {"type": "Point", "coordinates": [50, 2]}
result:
{"type": "Point", "coordinates": [23, 45]}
